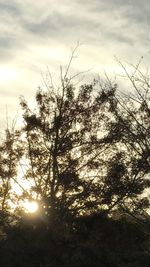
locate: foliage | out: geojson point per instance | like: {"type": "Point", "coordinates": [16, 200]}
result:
{"type": "Point", "coordinates": [10, 152]}
{"type": "Point", "coordinates": [88, 149]}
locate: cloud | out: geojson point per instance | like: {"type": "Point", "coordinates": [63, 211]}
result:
{"type": "Point", "coordinates": [66, 21]}
{"type": "Point", "coordinates": [9, 7]}
{"type": "Point", "coordinates": [38, 33]}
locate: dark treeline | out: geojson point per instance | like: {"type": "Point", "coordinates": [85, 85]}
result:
{"type": "Point", "coordinates": [95, 242]}
{"type": "Point", "coordinates": [86, 151]}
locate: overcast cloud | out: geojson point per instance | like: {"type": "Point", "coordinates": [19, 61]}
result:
{"type": "Point", "coordinates": [36, 34]}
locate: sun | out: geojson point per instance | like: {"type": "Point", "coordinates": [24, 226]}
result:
{"type": "Point", "coordinates": [7, 74]}
{"type": "Point", "coordinates": [30, 206]}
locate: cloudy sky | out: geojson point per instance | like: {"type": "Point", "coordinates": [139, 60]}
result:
{"type": "Point", "coordinates": [37, 34]}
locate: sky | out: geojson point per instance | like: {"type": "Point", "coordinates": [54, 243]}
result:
{"type": "Point", "coordinates": [36, 35]}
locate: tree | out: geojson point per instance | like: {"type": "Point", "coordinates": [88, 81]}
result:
{"type": "Point", "coordinates": [10, 152]}
{"type": "Point", "coordinates": [87, 149]}
{"type": "Point", "coordinates": [133, 120]}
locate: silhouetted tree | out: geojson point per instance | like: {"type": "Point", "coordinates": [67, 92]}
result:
{"type": "Point", "coordinates": [10, 153]}
{"type": "Point", "coordinates": [86, 151]}
{"type": "Point", "coordinates": [133, 126]}
{"type": "Point", "coordinates": [88, 148]}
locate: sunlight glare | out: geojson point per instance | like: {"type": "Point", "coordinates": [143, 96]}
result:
{"type": "Point", "coordinates": [7, 74]}
{"type": "Point", "coordinates": [30, 206]}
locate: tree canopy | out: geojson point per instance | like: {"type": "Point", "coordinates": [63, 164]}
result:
{"type": "Point", "coordinates": [86, 149]}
